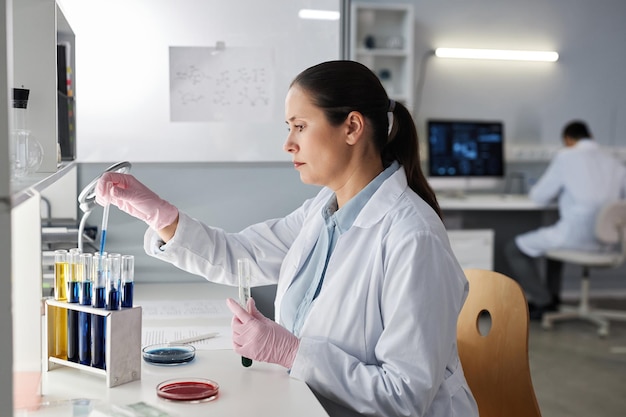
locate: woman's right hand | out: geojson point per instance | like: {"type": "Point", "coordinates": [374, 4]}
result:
{"type": "Point", "coordinates": [134, 198]}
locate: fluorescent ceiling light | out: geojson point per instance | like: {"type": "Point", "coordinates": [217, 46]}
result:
{"type": "Point", "coordinates": [546, 56]}
{"type": "Point", "coordinates": [318, 14]}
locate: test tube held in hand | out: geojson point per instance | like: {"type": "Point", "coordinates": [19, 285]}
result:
{"type": "Point", "coordinates": [243, 268]}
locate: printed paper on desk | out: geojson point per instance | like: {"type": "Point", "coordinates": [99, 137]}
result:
{"type": "Point", "coordinates": [158, 335]}
{"type": "Point", "coordinates": [185, 309]}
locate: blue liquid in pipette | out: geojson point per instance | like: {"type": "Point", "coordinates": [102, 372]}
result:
{"type": "Point", "coordinates": [127, 294]}
{"type": "Point", "coordinates": [103, 238]}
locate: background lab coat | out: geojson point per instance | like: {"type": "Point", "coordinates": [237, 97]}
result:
{"type": "Point", "coordinates": [583, 178]}
{"type": "Point", "coordinates": [381, 336]}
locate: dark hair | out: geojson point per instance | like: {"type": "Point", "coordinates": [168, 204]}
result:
{"type": "Point", "coordinates": [576, 130]}
{"type": "Point", "coordinates": [340, 87]}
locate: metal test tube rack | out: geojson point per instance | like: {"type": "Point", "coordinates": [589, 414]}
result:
{"type": "Point", "coordinates": [123, 342]}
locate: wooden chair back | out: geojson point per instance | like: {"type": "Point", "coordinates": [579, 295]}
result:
{"type": "Point", "coordinates": [496, 363]}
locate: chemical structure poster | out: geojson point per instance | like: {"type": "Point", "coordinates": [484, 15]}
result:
{"type": "Point", "coordinates": [213, 84]}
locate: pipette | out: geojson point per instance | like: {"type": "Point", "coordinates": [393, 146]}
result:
{"type": "Point", "coordinates": [103, 229]}
{"type": "Point", "coordinates": [243, 268]}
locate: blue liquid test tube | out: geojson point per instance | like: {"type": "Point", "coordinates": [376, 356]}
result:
{"type": "Point", "coordinates": [113, 281]}
{"type": "Point", "coordinates": [85, 266]}
{"type": "Point", "coordinates": [98, 322]}
{"type": "Point", "coordinates": [128, 280]}
{"type": "Point", "coordinates": [73, 284]}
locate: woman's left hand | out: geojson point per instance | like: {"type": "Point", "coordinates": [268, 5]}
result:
{"type": "Point", "coordinates": [259, 338]}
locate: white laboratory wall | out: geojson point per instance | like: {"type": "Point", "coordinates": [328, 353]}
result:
{"type": "Point", "coordinates": [123, 75]}
{"type": "Point", "coordinates": [534, 100]}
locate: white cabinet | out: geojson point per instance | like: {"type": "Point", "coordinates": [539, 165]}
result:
{"type": "Point", "coordinates": [381, 37]}
{"type": "Point", "coordinates": [473, 248]}
{"type": "Point", "coordinates": [38, 26]}
{"type": "Point", "coordinates": [28, 58]}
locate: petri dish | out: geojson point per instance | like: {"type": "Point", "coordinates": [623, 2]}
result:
{"type": "Point", "coordinates": [188, 389]}
{"type": "Point", "coordinates": [168, 354]}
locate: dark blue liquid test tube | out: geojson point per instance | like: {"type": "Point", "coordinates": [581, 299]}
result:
{"type": "Point", "coordinates": [98, 323]}
{"type": "Point", "coordinates": [85, 266]}
{"type": "Point", "coordinates": [72, 297]}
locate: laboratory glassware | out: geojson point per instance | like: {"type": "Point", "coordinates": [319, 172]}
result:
{"type": "Point", "coordinates": [85, 267]}
{"type": "Point", "coordinates": [128, 280]}
{"type": "Point", "coordinates": [60, 294]}
{"type": "Point", "coordinates": [73, 284]}
{"type": "Point", "coordinates": [243, 270]}
{"type": "Point", "coordinates": [113, 281]}
{"type": "Point", "coordinates": [98, 323]}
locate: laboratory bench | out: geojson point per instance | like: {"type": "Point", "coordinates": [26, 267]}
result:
{"type": "Point", "coordinates": [262, 389]}
{"type": "Point", "coordinates": [480, 225]}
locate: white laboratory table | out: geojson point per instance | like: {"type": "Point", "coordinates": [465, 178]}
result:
{"type": "Point", "coordinates": [260, 390]}
{"type": "Point", "coordinates": [500, 202]}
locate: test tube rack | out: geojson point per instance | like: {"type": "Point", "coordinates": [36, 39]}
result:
{"type": "Point", "coordinates": [122, 345]}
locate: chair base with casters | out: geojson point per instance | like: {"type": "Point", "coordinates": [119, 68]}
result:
{"type": "Point", "coordinates": [610, 229]}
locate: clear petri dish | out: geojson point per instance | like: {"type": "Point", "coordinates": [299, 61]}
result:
{"type": "Point", "coordinates": [188, 389]}
{"type": "Point", "coordinates": [168, 354]}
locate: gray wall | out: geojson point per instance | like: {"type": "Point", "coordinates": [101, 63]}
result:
{"type": "Point", "coordinates": [230, 196]}
{"type": "Point", "coordinates": [533, 99]}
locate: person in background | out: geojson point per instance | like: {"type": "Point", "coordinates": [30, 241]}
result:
{"type": "Point", "coordinates": [368, 288]}
{"type": "Point", "coordinates": [582, 178]}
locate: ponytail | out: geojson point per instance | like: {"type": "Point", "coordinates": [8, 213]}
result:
{"type": "Point", "coordinates": [403, 146]}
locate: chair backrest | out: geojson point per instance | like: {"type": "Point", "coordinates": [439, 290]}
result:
{"type": "Point", "coordinates": [496, 363]}
{"type": "Point", "coordinates": [611, 226]}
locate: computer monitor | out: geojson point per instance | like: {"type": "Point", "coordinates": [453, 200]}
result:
{"type": "Point", "coordinates": [464, 154]}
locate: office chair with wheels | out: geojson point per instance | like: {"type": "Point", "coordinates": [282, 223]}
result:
{"type": "Point", "coordinates": [611, 230]}
{"type": "Point", "coordinates": [495, 362]}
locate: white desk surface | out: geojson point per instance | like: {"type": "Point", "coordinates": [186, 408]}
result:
{"type": "Point", "coordinates": [489, 202]}
{"type": "Point", "coordinates": [260, 390]}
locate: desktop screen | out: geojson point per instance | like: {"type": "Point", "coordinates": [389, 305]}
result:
{"type": "Point", "coordinates": [462, 148]}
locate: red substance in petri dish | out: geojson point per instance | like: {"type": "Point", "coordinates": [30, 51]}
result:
{"type": "Point", "coordinates": [191, 389]}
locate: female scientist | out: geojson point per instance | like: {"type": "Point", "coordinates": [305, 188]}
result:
{"type": "Point", "coordinates": [368, 289]}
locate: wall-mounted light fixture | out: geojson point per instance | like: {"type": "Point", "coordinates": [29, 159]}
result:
{"type": "Point", "coordinates": [318, 14]}
{"type": "Point", "coordinates": [511, 55]}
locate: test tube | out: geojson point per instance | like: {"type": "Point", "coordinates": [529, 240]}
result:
{"type": "Point", "coordinates": [85, 268]}
{"type": "Point", "coordinates": [98, 323]}
{"type": "Point", "coordinates": [243, 269]}
{"type": "Point", "coordinates": [72, 297]}
{"type": "Point", "coordinates": [60, 294]}
{"type": "Point", "coordinates": [128, 280]}
{"type": "Point", "coordinates": [113, 281]}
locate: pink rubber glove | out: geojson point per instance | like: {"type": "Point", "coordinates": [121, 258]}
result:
{"type": "Point", "coordinates": [259, 338]}
{"type": "Point", "coordinates": [134, 198]}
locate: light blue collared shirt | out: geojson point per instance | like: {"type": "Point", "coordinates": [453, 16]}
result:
{"type": "Point", "coordinates": [307, 284]}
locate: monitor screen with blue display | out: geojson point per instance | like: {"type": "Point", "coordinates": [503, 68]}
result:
{"type": "Point", "coordinates": [463, 148]}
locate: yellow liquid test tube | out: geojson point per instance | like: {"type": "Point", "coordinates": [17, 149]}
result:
{"type": "Point", "coordinates": [61, 269]}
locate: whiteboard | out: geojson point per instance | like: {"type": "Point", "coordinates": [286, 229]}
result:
{"type": "Point", "coordinates": [128, 106]}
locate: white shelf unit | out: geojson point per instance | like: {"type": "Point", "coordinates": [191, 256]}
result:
{"type": "Point", "coordinates": [382, 38]}
{"type": "Point", "coordinates": [28, 57]}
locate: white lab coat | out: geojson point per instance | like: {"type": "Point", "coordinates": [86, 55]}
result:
{"type": "Point", "coordinates": [583, 178]}
{"type": "Point", "coordinates": [380, 339]}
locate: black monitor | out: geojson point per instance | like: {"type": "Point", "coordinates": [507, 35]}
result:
{"type": "Point", "coordinates": [465, 149]}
